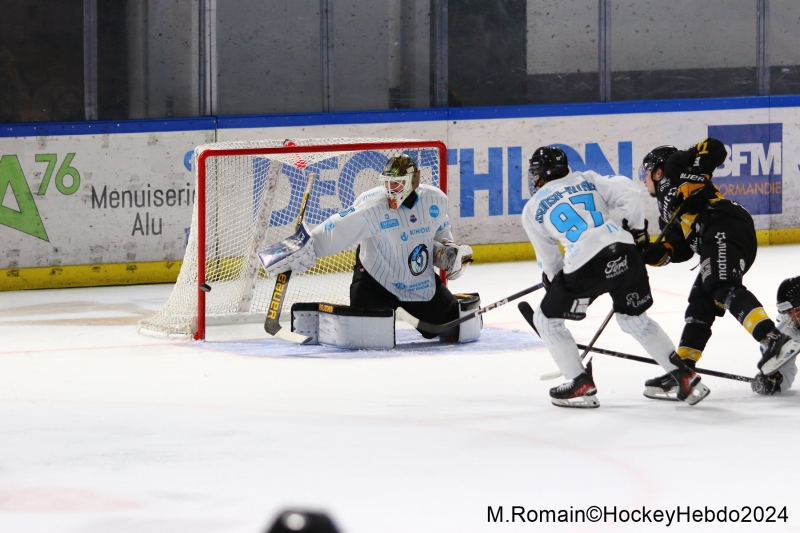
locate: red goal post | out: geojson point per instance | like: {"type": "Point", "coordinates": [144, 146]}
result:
{"type": "Point", "coordinates": [247, 198]}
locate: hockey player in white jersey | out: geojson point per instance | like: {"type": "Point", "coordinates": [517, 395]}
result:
{"type": "Point", "coordinates": [403, 231]}
{"type": "Point", "coordinates": [573, 209]}
{"type": "Point", "coordinates": [788, 323]}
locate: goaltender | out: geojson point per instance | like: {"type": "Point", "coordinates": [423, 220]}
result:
{"type": "Point", "coordinates": [403, 231]}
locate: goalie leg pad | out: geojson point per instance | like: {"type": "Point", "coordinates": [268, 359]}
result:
{"type": "Point", "coordinates": [305, 320]}
{"type": "Point", "coordinates": [356, 328]}
{"type": "Point", "coordinates": [470, 330]}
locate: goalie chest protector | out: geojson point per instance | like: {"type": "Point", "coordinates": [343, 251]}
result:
{"type": "Point", "coordinates": [344, 326]}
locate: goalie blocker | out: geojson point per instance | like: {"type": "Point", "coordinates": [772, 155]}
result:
{"type": "Point", "coordinates": [350, 327]}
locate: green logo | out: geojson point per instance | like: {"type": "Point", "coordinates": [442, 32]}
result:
{"type": "Point", "coordinates": [27, 219]}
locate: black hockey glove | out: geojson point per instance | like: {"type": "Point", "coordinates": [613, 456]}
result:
{"type": "Point", "coordinates": [546, 282]}
{"type": "Point", "coordinates": [767, 385]}
{"type": "Point", "coordinates": [708, 155]}
{"type": "Point", "coordinates": [640, 236]}
{"type": "Point", "coordinates": [655, 254]}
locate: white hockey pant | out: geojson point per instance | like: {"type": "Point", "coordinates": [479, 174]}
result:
{"type": "Point", "coordinates": [560, 344]}
{"type": "Point", "coordinates": [649, 334]}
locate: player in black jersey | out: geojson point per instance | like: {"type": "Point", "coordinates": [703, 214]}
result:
{"type": "Point", "coordinates": [722, 233]}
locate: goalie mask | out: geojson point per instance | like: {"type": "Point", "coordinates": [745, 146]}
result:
{"type": "Point", "coordinates": [547, 163]}
{"type": "Point", "coordinates": [789, 299]}
{"type": "Point", "coordinates": [400, 178]}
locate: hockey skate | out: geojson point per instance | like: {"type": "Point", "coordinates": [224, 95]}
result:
{"type": "Point", "coordinates": [665, 387]}
{"type": "Point", "coordinates": [778, 349]}
{"type": "Point", "coordinates": [689, 388]}
{"type": "Point", "coordinates": [579, 392]}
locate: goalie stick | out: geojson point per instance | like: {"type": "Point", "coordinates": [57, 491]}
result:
{"type": "Point", "coordinates": [527, 312]}
{"type": "Point", "coordinates": [272, 323]}
{"type": "Point", "coordinates": [405, 316]}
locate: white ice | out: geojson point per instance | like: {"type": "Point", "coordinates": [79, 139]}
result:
{"type": "Point", "coordinates": [105, 430]}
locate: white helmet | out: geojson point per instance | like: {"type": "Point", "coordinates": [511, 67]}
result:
{"type": "Point", "coordinates": [400, 178]}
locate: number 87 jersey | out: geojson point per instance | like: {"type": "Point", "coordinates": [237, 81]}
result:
{"type": "Point", "coordinates": [575, 211]}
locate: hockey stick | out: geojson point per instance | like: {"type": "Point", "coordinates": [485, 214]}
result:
{"type": "Point", "coordinates": [527, 313]}
{"type": "Point", "coordinates": [272, 323]}
{"type": "Point", "coordinates": [405, 316]}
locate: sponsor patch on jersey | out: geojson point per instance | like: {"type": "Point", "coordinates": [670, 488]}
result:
{"type": "Point", "coordinates": [391, 223]}
{"type": "Point", "coordinates": [412, 218]}
{"type": "Point", "coordinates": [434, 211]}
{"type": "Point", "coordinates": [400, 285]}
{"type": "Point", "coordinates": [403, 237]}
{"type": "Point", "coordinates": [422, 285]}
{"type": "Point", "coordinates": [635, 301]}
{"type": "Point", "coordinates": [616, 267]}
{"type": "Point", "coordinates": [722, 255]}
{"type": "Point", "coordinates": [329, 225]}
{"type": "Point", "coordinates": [347, 211]}
{"type": "Point", "coordinates": [420, 231]}
{"type": "Point", "coordinates": [418, 260]}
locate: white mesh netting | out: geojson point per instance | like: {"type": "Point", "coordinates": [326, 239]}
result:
{"type": "Point", "coordinates": [253, 201]}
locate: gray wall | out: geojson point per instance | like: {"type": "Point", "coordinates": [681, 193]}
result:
{"type": "Point", "coordinates": [185, 58]}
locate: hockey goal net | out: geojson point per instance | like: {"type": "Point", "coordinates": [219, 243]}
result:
{"type": "Point", "coordinates": [248, 197]}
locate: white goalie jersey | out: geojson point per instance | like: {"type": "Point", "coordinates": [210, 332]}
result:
{"type": "Point", "coordinates": [396, 245]}
{"type": "Point", "coordinates": [575, 211]}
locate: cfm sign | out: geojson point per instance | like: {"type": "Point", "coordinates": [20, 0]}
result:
{"type": "Point", "coordinates": [752, 173]}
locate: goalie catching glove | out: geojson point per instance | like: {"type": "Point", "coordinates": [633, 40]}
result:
{"type": "Point", "coordinates": [295, 253]}
{"type": "Point", "coordinates": [451, 257]}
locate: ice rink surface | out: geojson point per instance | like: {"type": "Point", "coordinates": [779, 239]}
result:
{"type": "Point", "coordinates": [105, 430]}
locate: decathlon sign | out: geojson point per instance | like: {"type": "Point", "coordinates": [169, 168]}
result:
{"type": "Point", "coordinates": [515, 166]}
{"type": "Point", "coordinates": [752, 174]}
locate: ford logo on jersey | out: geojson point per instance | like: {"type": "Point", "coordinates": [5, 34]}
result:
{"type": "Point", "coordinates": [418, 260]}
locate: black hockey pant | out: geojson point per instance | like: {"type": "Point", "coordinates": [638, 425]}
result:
{"type": "Point", "coordinates": [727, 252]}
{"type": "Point", "coordinates": [367, 293]}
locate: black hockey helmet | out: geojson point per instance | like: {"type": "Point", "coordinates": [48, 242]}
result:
{"type": "Point", "coordinates": [789, 294]}
{"type": "Point", "coordinates": [655, 159]}
{"type": "Point", "coordinates": [547, 163]}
